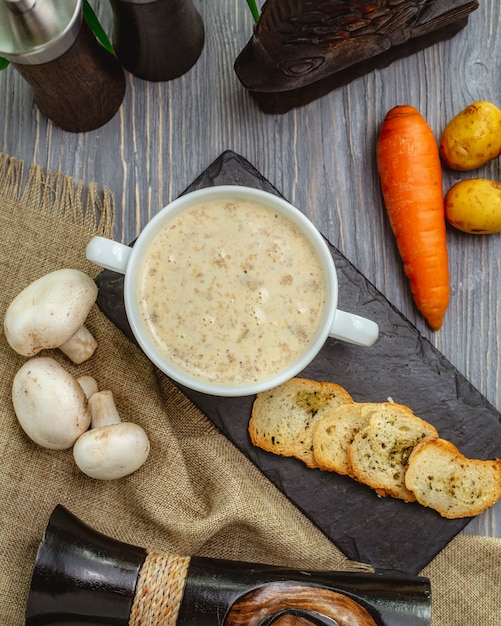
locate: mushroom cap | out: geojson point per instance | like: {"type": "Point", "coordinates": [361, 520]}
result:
{"type": "Point", "coordinates": [49, 403]}
{"type": "Point", "coordinates": [113, 451]}
{"type": "Point", "coordinates": [49, 311]}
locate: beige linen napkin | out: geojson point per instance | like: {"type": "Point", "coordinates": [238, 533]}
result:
{"type": "Point", "coordinates": [197, 494]}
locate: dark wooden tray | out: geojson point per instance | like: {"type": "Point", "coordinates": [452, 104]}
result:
{"type": "Point", "coordinates": [293, 58]}
{"type": "Point", "coordinates": [388, 534]}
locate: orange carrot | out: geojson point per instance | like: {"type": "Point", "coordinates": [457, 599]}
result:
{"type": "Point", "coordinates": [411, 181]}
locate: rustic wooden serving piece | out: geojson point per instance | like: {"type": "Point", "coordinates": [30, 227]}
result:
{"type": "Point", "coordinates": [84, 577]}
{"type": "Point", "coordinates": [302, 49]}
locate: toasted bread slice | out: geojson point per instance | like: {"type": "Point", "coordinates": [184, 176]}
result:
{"type": "Point", "coordinates": [283, 418]}
{"type": "Point", "coordinates": [334, 432]}
{"type": "Point", "coordinates": [379, 451]}
{"type": "Point", "coordinates": [443, 479]}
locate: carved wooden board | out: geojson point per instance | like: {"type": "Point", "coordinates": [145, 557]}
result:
{"type": "Point", "coordinates": [302, 49]}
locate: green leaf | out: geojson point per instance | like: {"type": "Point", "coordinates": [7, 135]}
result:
{"type": "Point", "coordinates": [254, 10]}
{"type": "Point", "coordinates": [95, 26]}
{"type": "Point", "coordinates": [3, 63]}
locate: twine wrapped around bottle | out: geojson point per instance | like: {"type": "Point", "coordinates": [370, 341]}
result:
{"type": "Point", "coordinates": [159, 590]}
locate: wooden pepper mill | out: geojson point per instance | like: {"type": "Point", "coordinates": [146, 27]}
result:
{"type": "Point", "coordinates": [84, 577]}
{"type": "Point", "coordinates": [76, 82]}
{"type": "Point", "coordinates": [157, 40]}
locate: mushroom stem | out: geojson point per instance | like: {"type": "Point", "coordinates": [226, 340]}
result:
{"type": "Point", "coordinates": [80, 346]}
{"type": "Point", "coordinates": [111, 448]}
{"type": "Point", "coordinates": [88, 384]}
{"type": "Point", "coordinates": [103, 410]}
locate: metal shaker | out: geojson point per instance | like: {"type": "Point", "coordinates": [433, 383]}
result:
{"type": "Point", "coordinates": [157, 40]}
{"type": "Point", "coordinates": [75, 82]}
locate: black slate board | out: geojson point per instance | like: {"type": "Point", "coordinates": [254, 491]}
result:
{"type": "Point", "coordinates": [388, 534]}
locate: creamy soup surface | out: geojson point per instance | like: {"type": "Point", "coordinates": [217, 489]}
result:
{"type": "Point", "coordinates": [231, 291]}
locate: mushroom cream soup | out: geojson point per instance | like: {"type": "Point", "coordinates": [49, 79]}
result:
{"type": "Point", "coordinates": [231, 291]}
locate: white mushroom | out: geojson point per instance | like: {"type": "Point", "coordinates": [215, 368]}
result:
{"type": "Point", "coordinates": [112, 448]}
{"type": "Point", "coordinates": [50, 313]}
{"type": "Point", "coordinates": [49, 403]}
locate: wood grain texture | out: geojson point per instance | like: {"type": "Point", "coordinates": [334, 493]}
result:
{"type": "Point", "coordinates": [82, 89]}
{"type": "Point", "coordinates": [276, 602]}
{"type": "Point", "coordinates": [321, 157]}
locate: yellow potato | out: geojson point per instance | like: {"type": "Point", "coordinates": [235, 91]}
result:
{"type": "Point", "coordinates": [473, 137]}
{"type": "Point", "coordinates": [474, 206]}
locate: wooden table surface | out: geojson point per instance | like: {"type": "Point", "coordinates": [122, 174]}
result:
{"type": "Point", "coordinates": [320, 156]}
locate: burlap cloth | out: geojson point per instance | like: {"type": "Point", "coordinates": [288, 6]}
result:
{"type": "Point", "coordinates": [197, 494]}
